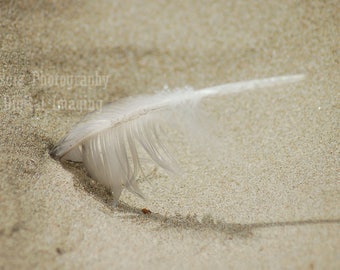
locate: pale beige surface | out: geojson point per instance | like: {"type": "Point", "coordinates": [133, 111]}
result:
{"type": "Point", "coordinates": [270, 199]}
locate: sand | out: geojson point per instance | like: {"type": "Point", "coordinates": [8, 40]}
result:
{"type": "Point", "coordinates": [267, 199]}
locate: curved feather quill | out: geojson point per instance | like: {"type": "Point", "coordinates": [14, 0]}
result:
{"type": "Point", "coordinates": [109, 142]}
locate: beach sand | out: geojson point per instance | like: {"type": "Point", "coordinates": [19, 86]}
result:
{"type": "Point", "coordinates": [267, 199]}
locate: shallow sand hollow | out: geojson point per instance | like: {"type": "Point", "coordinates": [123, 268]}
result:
{"type": "Point", "coordinates": [268, 198]}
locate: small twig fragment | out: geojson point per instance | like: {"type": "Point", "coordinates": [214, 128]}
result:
{"type": "Point", "coordinates": [146, 211]}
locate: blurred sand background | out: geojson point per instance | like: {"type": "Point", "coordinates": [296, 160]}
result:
{"type": "Point", "coordinates": [269, 199]}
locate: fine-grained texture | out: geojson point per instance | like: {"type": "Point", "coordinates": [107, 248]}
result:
{"type": "Point", "coordinates": [267, 197]}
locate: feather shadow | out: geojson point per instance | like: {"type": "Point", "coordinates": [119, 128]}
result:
{"type": "Point", "coordinates": [208, 223]}
{"type": "Point", "coordinates": [176, 221]}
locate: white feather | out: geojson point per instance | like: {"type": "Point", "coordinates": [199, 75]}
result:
{"type": "Point", "coordinates": [109, 142]}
